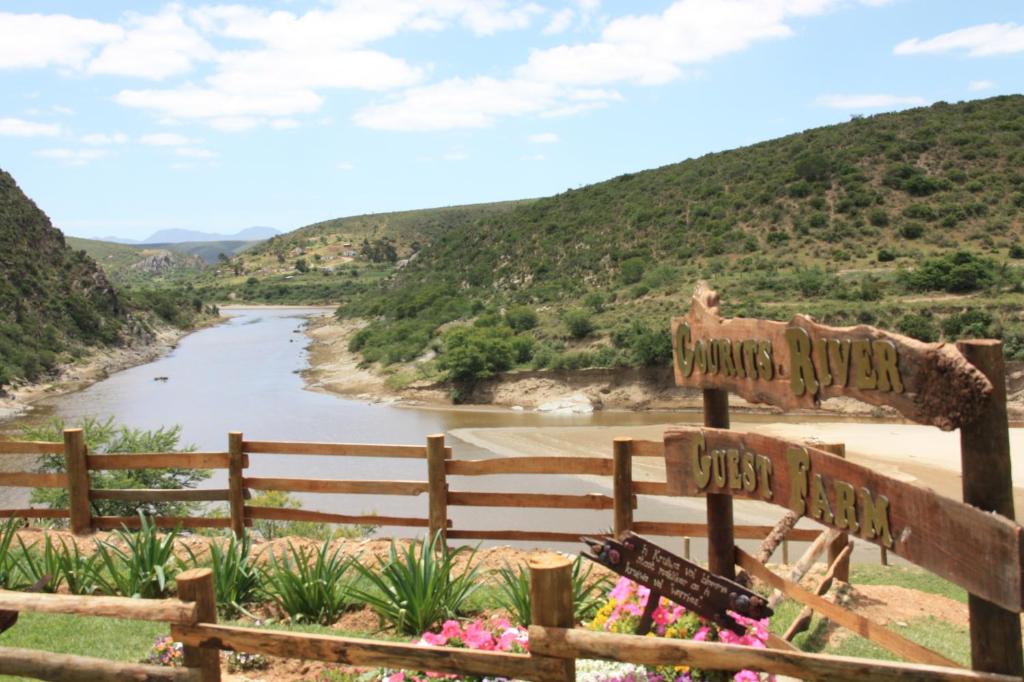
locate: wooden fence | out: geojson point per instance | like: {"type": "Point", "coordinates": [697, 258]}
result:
{"type": "Point", "coordinates": [554, 644]}
{"type": "Point", "coordinates": [441, 469]}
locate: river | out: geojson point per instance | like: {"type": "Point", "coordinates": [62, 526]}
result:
{"type": "Point", "coordinates": [244, 375]}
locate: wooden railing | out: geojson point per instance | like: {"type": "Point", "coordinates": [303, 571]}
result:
{"type": "Point", "coordinates": [441, 468]}
{"type": "Point", "coordinates": [554, 643]}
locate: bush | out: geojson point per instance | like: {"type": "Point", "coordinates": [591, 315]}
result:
{"type": "Point", "coordinates": [878, 217]}
{"type": "Point", "coordinates": [594, 301]}
{"type": "Point", "coordinates": [632, 269]}
{"type": "Point", "coordinates": [886, 255]}
{"type": "Point", "coordinates": [919, 327]}
{"type": "Point", "coordinates": [1016, 251]}
{"type": "Point", "coordinates": [970, 324]}
{"type": "Point", "coordinates": [521, 318]}
{"type": "Point", "coordinates": [473, 353]}
{"type": "Point", "coordinates": [417, 588]}
{"type": "Point", "coordinates": [236, 580]}
{"type": "Point", "coordinates": [958, 272]}
{"type": "Point", "coordinates": [141, 564]}
{"type": "Point", "coordinates": [106, 437]}
{"type": "Point", "coordinates": [311, 588]}
{"type": "Point", "coordinates": [587, 592]}
{"type": "Point", "coordinates": [911, 230]}
{"type": "Point", "coordinates": [578, 322]}
{"type": "Point", "coordinates": [647, 346]}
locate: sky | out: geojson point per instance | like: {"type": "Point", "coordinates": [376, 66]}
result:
{"type": "Point", "coordinates": [123, 118]}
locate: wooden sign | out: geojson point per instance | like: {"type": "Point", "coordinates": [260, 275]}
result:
{"type": "Point", "coordinates": [981, 552]}
{"type": "Point", "coordinates": [678, 580]}
{"type": "Point", "coordinates": [800, 363]}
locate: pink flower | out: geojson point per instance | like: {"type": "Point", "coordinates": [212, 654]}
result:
{"type": "Point", "coordinates": [623, 590]}
{"type": "Point", "coordinates": [661, 616]}
{"type": "Point", "coordinates": [702, 634]}
{"type": "Point", "coordinates": [451, 629]}
{"type": "Point", "coordinates": [746, 676]}
{"type": "Point", "coordinates": [396, 677]}
{"type": "Point", "coordinates": [476, 637]}
{"type": "Point", "coordinates": [434, 639]}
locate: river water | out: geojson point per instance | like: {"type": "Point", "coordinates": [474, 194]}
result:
{"type": "Point", "coordinates": [244, 375]}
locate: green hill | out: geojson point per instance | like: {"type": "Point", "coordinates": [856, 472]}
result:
{"type": "Point", "coordinates": [208, 252]}
{"type": "Point", "coordinates": [127, 263]}
{"type": "Point", "coordinates": [56, 303]}
{"type": "Point", "coordinates": [331, 261]}
{"type": "Point", "coordinates": [911, 220]}
{"type": "Point", "coordinates": [52, 297]}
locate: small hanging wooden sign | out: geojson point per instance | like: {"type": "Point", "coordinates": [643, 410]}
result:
{"type": "Point", "coordinates": [678, 580]}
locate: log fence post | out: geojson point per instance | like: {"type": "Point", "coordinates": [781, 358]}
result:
{"type": "Point", "coordinates": [988, 485]}
{"type": "Point", "coordinates": [437, 487]}
{"type": "Point", "coordinates": [196, 585]}
{"type": "Point", "coordinates": [842, 571]}
{"type": "Point", "coordinates": [76, 463]}
{"type": "Point", "coordinates": [236, 489]}
{"type": "Point", "coordinates": [622, 485]}
{"type": "Point", "coordinates": [551, 603]}
{"type": "Point", "coordinates": [721, 538]}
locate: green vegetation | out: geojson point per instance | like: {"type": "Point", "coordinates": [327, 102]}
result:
{"type": "Point", "coordinates": [902, 220]}
{"type": "Point", "coordinates": [140, 564]}
{"type": "Point", "coordinates": [418, 587]}
{"type": "Point", "coordinates": [56, 304]}
{"type": "Point", "coordinates": [105, 437]}
{"type": "Point", "coordinates": [236, 580]}
{"type": "Point", "coordinates": [589, 592]}
{"type": "Point", "coordinates": [310, 586]}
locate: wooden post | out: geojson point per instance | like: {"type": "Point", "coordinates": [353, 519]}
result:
{"type": "Point", "coordinates": [551, 602]}
{"type": "Point", "coordinates": [785, 552]}
{"type": "Point", "coordinates": [883, 556]}
{"type": "Point", "coordinates": [988, 485]}
{"type": "Point", "coordinates": [842, 570]}
{"type": "Point", "coordinates": [622, 482]}
{"type": "Point", "coordinates": [437, 486]}
{"type": "Point", "coordinates": [686, 547]}
{"type": "Point", "coordinates": [236, 491]}
{"type": "Point", "coordinates": [196, 585]}
{"type": "Point", "coordinates": [721, 542]}
{"type": "Point", "coordinates": [77, 466]}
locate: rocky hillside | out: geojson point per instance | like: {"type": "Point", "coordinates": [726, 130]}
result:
{"type": "Point", "coordinates": [53, 299]}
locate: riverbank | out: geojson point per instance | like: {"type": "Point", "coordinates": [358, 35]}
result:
{"type": "Point", "coordinates": [96, 366]}
{"type": "Point", "coordinates": [335, 370]}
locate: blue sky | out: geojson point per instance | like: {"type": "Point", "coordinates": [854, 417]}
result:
{"type": "Point", "coordinates": [124, 118]}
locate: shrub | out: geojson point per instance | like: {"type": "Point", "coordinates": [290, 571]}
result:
{"type": "Point", "coordinates": [142, 564]}
{"type": "Point", "coordinates": [473, 353]}
{"type": "Point", "coordinates": [647, 346]}
{"type": "Point", "coordinates": [578, 322]}
{"type": "Point", "coordinates": [106, 437]}
{"type": "Point", "coordinates": [955, 272]}
{"type": "Point", "coordinates": [878, 217]}
{"type": "Point", "coordinates": [417, 588]}
{"type": "Point", "coordinates": [521, 318]}
{"type": "Point", "coordinates": [9, 573]}
{"type": "Point", "coordinates": [587, 592]}
{"type": "Point", "coordinates": [594, 301]}
{"type": "Point", "coordinates": [886, 255]}
{"type": "Point", "coordinates": [236, 580]}
{"type": "Point", "coordinates": [970, 324]}
{"type": "Point", "coordinates": [911, 230]}
{"type": "Point", "coordinates": [918, 326]}
{"type": "Point", "coordinates": [632, 269]}
{"type": "Point", "coordinates": [312, 588]}
{"type": "Point", "coordinates": [1016, 251]}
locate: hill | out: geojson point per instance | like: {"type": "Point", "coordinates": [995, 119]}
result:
{"type": "Point", "coordinates": [57, 304]}
{"type": "Point", "coordinates": [911, 220]}
{"type": "Point", "coordinates": [129, 263]}
{"type": "Point", "coordinates": [330, 261]}
{"type": "Point", "coordinates": [207, 251]}
{"type": "Point", "coordinates": [52, 298]}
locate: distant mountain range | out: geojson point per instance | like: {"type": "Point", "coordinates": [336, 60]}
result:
{"type": "Point", "coordinates": [174, 236]}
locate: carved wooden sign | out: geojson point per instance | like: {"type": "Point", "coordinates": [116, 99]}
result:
{"type": "Point", "coordinates": [678, 580]}
{"type": "Point", "coordinates": [982, 552]}
{"type": "Point", "coordinates": [800, 363]}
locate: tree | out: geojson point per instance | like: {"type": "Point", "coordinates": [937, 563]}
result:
{"type": "Point", "coordinates": [521, 318]}
{"type": "Point", "coordinates": [473, 353]}
{"type": "Point", "coordinates": [301, 265]}
{"type": "Point", "coordinates": [632, 269]}
{"type": "Point", "coordinates": [107, 437]}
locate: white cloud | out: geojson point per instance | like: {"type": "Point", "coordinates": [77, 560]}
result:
{"type": "Point", "coordinates": [155, 46]}
{"type": "Point", "coordinates": [103, 139]}
{"type": "Point", "coordinates": [978, 86]}
{"type": "Point", "coordinates": [41, 40]}
{"type": "Point", "coordinates": [234, 124]}
{"type": "Point", "coordinates": [72, 157]}
{"type": "Point", "coordinates": [63, 111]}
{"type": "Point", "coordinates": [543, 138]}
{"type": "Point", "coordinates": [191, 102]}
{"type": "Point", "coordinates": [16, 127]}
{"type": "Point", "coordinates": [346, 166]}
{"type": "Point", "coordinates": [560, 21]}
{"type": "Point", "coordinates": [869, 101]}
{"type": "Point", "coordinates": [195, 153]}
{"type": "Point", "coordinates": [165, 140]}
{"type": "Point", "coordinates": [284, 123]}
{"type": "Point", "coordinates": [984, 40]}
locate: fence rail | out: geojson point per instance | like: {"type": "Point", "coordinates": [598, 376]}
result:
{"type": "Point", "coordinates": [554, 644]}
{"type": "Point", "coordinates": [441, 467]}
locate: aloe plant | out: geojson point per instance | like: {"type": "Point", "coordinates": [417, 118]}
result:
{"type": "Point", "coordinates": [311, 587]}
{"type": "Point", "coordinates": [145, 568]}
{"type": "Point", "coordinates": [588, 593]}
{"type": "Point", "coordinates": [9, 571]}
{"type": "Point", "coordinates": [417, 587]}
{"type": "Point", "coordinates": [236, 580]}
